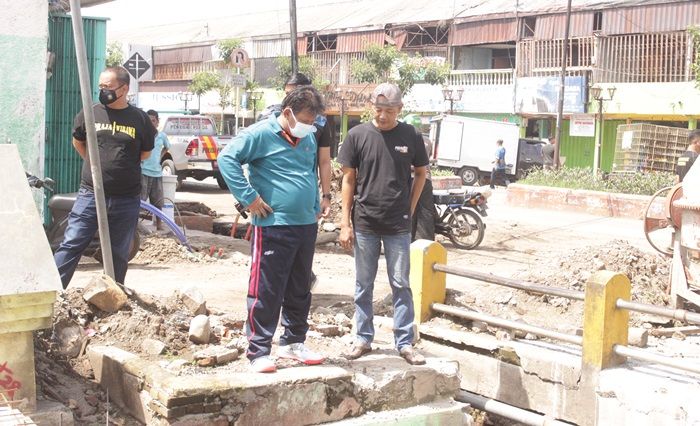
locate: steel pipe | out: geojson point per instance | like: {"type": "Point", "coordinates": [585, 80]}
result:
{"type": "Point", "coordinates": [504, 323]}
{"type": "Point", "coordinates": [647, 356]}
{"type": "Point", "coordinates": [507, 282]}
{"type": "Point", "coordinates": [506, 410]}
{"type": "Point", "coordinates": [677, 314]}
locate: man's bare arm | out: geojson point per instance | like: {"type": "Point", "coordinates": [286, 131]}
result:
{"type": "Point", "coordinates": [81, 147]}
{"type": "Point", "coordinates": [418, 183]}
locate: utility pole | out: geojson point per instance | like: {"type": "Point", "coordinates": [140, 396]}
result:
{"type": "Point", "coordinates": [293, 35]}
{"type": "Point", "coordinates": [92, 149]}
{"type": "Point", "coordinates": [562, 83]}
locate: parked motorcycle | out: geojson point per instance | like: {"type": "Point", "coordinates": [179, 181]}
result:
{"type": "Point", "coordinates": [459, 214]}
{"type": "Point", "coordinates": [60, 206]}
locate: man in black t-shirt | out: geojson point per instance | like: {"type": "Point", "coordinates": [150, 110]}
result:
{"type": "Point", "coordinates": [687, 159]}
{"type": "Point", "coordinates": [125, 136]}
{"type": "Point", "coordinates": [377, 193]}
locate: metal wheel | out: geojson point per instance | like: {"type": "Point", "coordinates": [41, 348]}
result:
{"type": "Point", "coordinates": [467, 229]}
{"type": "Point", "coordinates": [469, 175]}
{"type": "Point", "coordinates": [659, 224]}
{"type": "Point", "coordinates": [134, 248]}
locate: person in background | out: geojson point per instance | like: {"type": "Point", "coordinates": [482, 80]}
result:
{"type": "Point", "coordinates": [687, 159]}
{"type": "Point", "coordinates": [548, 154]}
{"type": "Point", "coordinates": [378, 200]}
{"type": "Point", "coordinates": [423, 219]}
{"type": "Point", "coordinates": [499, 165]}
{"type": "Point", "coordinates": [281, 193]}
{"type": "Point", "coordinates": [151, 171]}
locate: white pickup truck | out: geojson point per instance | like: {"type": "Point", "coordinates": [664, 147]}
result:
{"type": "Point", "coordinates": [194, 148]}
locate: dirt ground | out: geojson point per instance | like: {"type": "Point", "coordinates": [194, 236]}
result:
{"type": "Point", "coordinates": [545, 247]}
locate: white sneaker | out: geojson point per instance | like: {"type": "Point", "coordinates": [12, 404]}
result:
{"type": "Point", "coordinates": [298, 351]}
{"type": "Point", "coordinates": [263, 364]}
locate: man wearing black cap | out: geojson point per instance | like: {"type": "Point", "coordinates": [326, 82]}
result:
{"type": "Point", "coordinates": [377, 157]}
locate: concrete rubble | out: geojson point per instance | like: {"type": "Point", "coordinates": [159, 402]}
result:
{"type": "Point", "coordinates": [200, 330]}
{"type": "Point", "coordinates": [104, 293]}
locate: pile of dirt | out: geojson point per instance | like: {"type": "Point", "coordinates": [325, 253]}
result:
{"type": "Point", "coordinates": [158, 249]}
{"type": "Point", "coordinates": [649, 273]}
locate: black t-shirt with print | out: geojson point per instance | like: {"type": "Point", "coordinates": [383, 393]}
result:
{"type": "Point", "coordinates": [383, 161]}
{"type": "Point", "coordinates": [121, 136]}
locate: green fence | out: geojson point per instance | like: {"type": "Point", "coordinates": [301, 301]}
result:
{"type": "Point", "coordinates": [579, 150]}
{"type": "Point", "coordinates": [63, 101]}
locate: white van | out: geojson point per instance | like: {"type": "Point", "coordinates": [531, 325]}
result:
{"type": "Point", "coordinates": [468, 147]}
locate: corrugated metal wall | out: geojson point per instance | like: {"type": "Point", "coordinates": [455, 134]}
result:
{"type": "Point", "coordinates": [653, 18]}
{"type": "Point", "coordinates": [579, 150]}
{"type": "Point", "coordinates": [479, 32]}
{"type": "Point", "coordinates": [270, 48]}
{"type": "Point", "coordinates": [62, 163]}
{"type": "Point", "coordinates": [550, 27]}
{"type": "Point", "coordinates": [357, 42]}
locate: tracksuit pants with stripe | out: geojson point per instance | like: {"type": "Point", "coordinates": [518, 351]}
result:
{"type": "Point", "coordinates": [280, 274]}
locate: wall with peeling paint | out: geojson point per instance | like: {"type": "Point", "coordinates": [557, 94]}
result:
{"type": "Point", "coordinates": [23, 38]}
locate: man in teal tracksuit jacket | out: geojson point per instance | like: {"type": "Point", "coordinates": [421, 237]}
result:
{"type": "Point", "coordinates": [281, 193]}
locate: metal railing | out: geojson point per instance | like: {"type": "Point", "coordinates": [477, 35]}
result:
{"type": "Point", "coordinates": [596, 296]}
{"type": "Point", "coordinates": [481, 77]}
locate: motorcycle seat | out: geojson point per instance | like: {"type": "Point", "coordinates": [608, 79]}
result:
{"type": "Point", "coordinates": [63, 201]}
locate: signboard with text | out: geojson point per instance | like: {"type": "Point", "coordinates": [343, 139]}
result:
{"type": "Point", "coordinates": [582, 125]}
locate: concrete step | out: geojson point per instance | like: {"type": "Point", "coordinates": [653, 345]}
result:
{"type": "Point", "coordinates": [291, 396]}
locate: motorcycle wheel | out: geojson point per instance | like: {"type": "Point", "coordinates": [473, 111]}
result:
{"type": "Point", "coordinates": [133, 248]}
{"type": "Point", "coordinates": [466, 229]}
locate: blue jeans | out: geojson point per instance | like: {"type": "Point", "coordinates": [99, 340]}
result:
{"type": "Point", "coordinates": [396, 252]}
{"type": "Point", "coordinates": [122, 216]}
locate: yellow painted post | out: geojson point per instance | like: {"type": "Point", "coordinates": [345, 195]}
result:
{"type": "Point", "coordinates": [603, 327]}
{"type": "Point", "coordinates": [428, 286]}
{"type": "Point", "coordinates": [603, 324]}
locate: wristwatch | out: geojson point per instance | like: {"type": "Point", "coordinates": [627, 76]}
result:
{"type": "Point", "coordinates": [327, 196]}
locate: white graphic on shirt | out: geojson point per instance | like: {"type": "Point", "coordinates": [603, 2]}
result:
{"type": "Point", "coordinates": [269, 252]}
{"type": "Point", "coordinates": [402, 149]}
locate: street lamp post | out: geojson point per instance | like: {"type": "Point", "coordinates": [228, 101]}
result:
{"type": "Point", "coordinates": [597, 94]}
{"type": "Point", "coordinates": [343, 123]}
{"type": "Point", "coordinates": [185, 97]}
{"type": "Point", "coordinates": [451, 94]}
{"type": "Point", "coordinates": [254, 98]}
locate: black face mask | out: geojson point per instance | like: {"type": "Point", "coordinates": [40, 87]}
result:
{"type": "Point", "coordinates": [107, 96]}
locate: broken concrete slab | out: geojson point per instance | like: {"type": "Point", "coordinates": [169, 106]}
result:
{"type": "Point", "coordinates": [153, 346]}
{"type": "Point", "coordinates": [219, 354]}
{"type": "Point", "coordinates": [193, 299]}
{"type": "Point", "coordinates": [298, 395]}
{"type": "Point", "coordinates": [103, 293]}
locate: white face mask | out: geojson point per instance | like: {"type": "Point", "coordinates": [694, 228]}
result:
{"type": "Point", "coordinates": [301, 130]}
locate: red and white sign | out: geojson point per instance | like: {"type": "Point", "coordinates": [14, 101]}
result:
{"type": "Point", "coordinates": [582, 125]}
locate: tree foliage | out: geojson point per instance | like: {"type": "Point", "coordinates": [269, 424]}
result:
{"type": "Point", "coordinates": [227, 46]}
{"type": "Point", "coordinates": [115, 55]}
{"type": "Point", "coordinates": [306, 66]}
{"type": "Point", "coordinates": [695, 66]}
{"type": "Point", "coordinates": [386, 63]}
{"type": "Point", "coordinates": [203, 82]}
